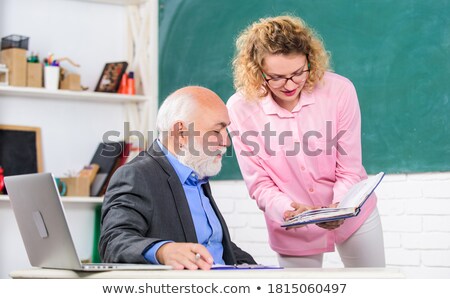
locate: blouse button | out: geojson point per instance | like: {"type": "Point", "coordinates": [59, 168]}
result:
{"type": "Point", "coordinates": [311, 190]}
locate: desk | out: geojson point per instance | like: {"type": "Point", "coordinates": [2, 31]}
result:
{"type": "Point", "coordinates": [291, 273]}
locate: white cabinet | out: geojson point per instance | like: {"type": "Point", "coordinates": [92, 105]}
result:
{"type": "Point", "coordinates": [72, 123]}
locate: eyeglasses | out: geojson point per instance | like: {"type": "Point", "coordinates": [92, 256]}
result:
{"type": "Point", "coordinates": [278, 82]}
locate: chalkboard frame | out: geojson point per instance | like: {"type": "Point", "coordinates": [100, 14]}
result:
{"type": "Point", "coordinates": [38, 141]}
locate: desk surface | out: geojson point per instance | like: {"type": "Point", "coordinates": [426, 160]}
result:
{"type": "Point", "coordinates": [216, 274]}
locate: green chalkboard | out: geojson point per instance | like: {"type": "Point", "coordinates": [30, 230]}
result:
{"type": "Point", "coordinates": [396, 52]}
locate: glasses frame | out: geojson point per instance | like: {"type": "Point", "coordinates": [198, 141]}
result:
{"type": "Point", "coordinates": [286, 79]}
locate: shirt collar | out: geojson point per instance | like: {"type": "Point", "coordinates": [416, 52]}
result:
{"type": "Point", "coordinates": [186, 174]}
{"type": "Point", "coordinates": [269, 105]}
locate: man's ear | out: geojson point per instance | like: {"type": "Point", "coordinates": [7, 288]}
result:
{"type": "Point", "coordinates": [179, 134]}
{"type": "Point", "coordinates": [181, 129]}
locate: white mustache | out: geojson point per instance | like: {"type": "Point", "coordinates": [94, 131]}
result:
{"type": "Point", "coordinates": [220, 151]}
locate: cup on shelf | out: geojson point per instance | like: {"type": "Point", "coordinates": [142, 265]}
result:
{"type": "Point", "coordinates": [62, 186]}
{"type": "Point", "coordinates": [51, 77]}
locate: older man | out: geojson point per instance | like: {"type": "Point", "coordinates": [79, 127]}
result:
{"type": "Point", "coordinates": [159, 208]}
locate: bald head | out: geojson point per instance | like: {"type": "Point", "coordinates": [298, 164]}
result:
{"type": "Point", "coordinates": [194, 105]}
{"type": "Point", "coordinates": [200, 98]}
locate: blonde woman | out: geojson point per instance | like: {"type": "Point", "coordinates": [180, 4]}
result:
{"type": "Point", "coordinates": [296, 131]}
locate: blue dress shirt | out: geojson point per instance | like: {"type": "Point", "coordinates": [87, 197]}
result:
{"type": "Point", "coordinates": [207, 225]}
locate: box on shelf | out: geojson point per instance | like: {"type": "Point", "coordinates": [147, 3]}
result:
{"type": "Point", "coordinates": [15, 41]}
{"type": "Point", "coordinates": [16, 61]}
{"type": "Point", "coordinates": [71, 82]}
{"type": "Point", "coordinates": [4, 75]}
{"type": "Point", "coordinates": [34, 74]}
{"type": "Point", "coordinates": [77, 186]}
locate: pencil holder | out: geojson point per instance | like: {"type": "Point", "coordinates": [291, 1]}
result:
{"type": "Point", "coordinates": [51, 77]}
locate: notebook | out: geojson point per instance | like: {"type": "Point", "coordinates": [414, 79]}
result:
{"type": "Point", "coordinates": [42, 223]}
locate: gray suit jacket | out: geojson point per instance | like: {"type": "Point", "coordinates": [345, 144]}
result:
{"type": "Point", "coordinates": [145, 203]}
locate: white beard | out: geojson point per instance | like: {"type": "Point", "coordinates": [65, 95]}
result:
{"type": "Point", "coordinates": [203, 164]}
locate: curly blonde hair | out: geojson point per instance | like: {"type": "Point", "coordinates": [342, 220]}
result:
{"type": "Point", "coordinates": [277, 35]}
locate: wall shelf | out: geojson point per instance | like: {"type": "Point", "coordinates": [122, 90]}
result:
{"type": "Point", "coordinates": [117, 2]}
{"type": "Point", "coordinates": [71, 199]}
{"type": "Point", "coordinates": [86, 96]}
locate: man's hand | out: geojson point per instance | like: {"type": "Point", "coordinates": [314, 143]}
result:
{"type": "Point", "coordinates": [181, 256]}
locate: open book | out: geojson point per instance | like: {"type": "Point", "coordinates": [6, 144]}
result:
{"type": "Point", "coordinates": [348, 207]}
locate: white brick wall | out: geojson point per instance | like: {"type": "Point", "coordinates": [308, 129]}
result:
{"type": "Point", "coordinates": [414, 209]}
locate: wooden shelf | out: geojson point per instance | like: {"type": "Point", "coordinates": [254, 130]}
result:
{"type": "Point", "coordinates": [71, 199]}
{"type": "Point", "coordinates": [85, 96]}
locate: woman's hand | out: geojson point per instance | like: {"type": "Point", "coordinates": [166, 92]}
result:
{"type": "Point", "coordinates": [330, 225]}
{"type": "Point", "coordinates": [299, 208]}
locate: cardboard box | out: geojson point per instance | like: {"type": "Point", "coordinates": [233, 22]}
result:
{"type": "Point", "coordinates": [4, 73]}
{"type": "Point", "coordinates": [34, 74]}
{"type": "Point", "coordinates": [71, 82]}
{"type": "Point", "coordinates": [16, 61]}
{"type": "Point", "coordinates": [77, 186]}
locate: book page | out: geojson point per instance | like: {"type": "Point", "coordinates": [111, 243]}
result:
{"type": "Point", "coordinates": [360, 191]}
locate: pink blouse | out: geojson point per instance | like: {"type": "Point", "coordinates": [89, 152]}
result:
{"type": "Point", "coordinates": [311, 155]}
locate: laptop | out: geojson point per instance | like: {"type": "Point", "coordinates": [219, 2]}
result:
{"type": "Point", "coordinates": [42, 223]}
